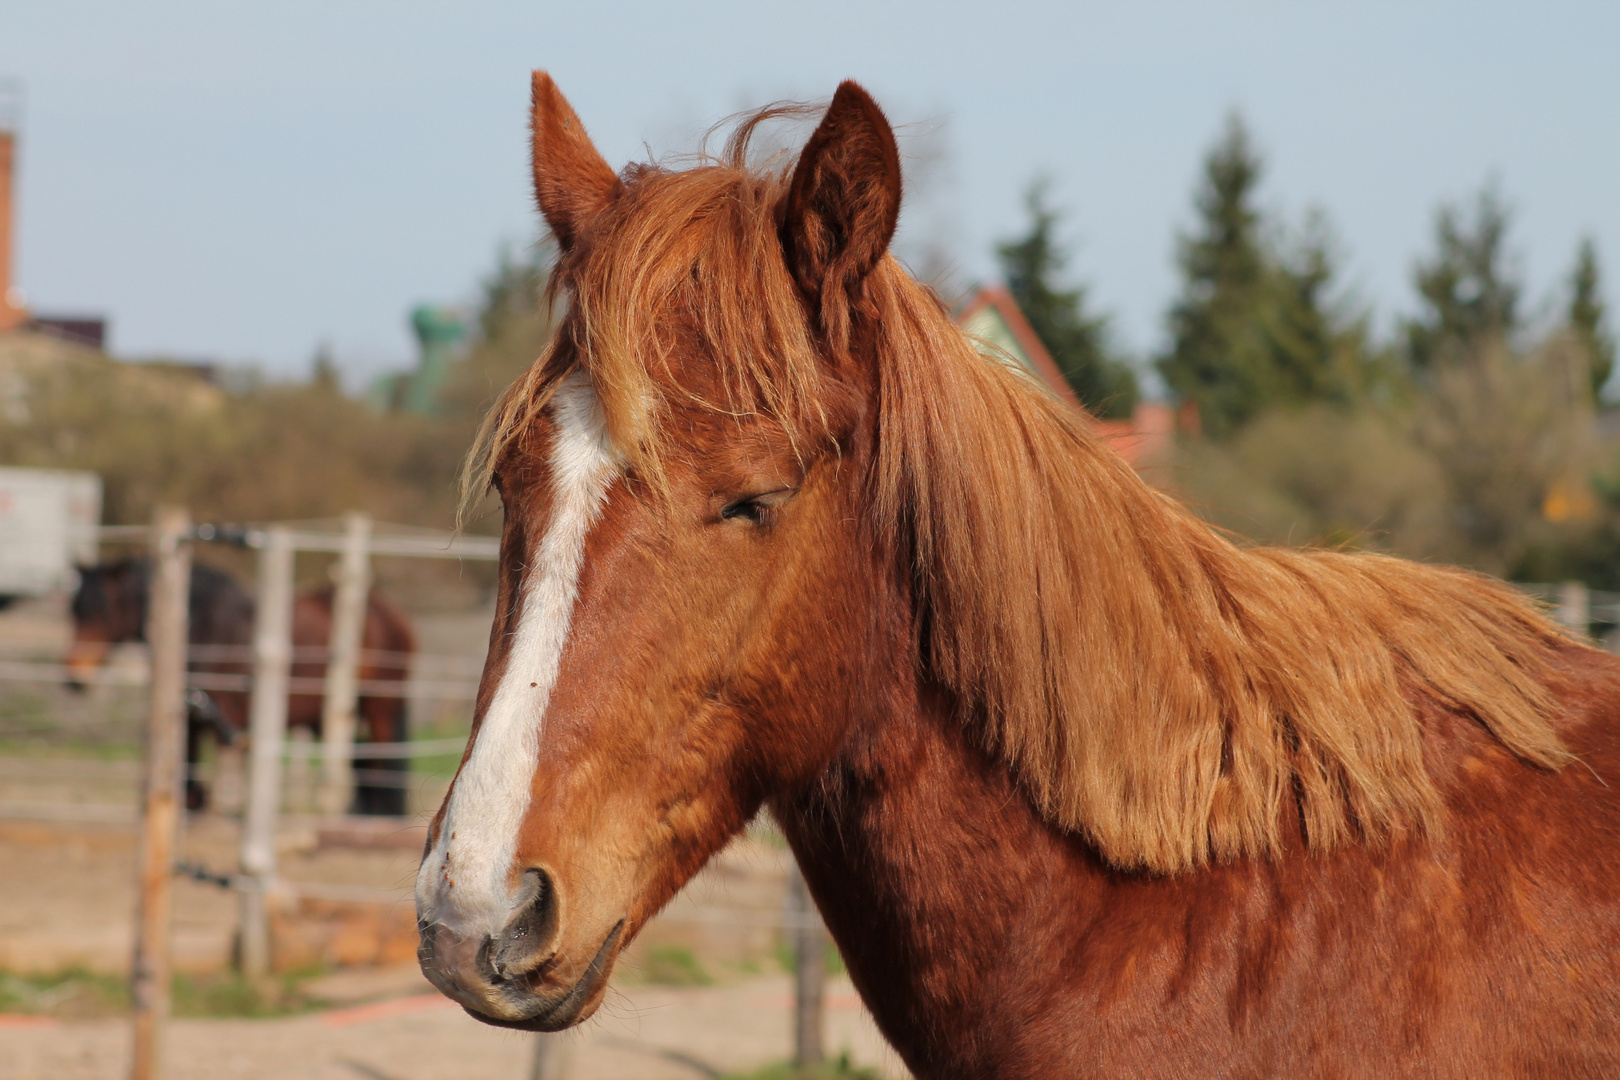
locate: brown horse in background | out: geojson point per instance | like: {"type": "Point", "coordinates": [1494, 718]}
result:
{"type": "Point", "coordinates": [109, 608]}
{"type": "Point", "coordinates": [1081, 787]}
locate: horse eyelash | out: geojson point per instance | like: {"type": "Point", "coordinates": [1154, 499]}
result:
{"type": "Point", "coordinates": [749, 509]}
{"type": "Point", "coordinates": [758, 509]}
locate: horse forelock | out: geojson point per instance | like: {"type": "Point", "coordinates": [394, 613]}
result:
{"type": "Point", "coordinates": [1172, 696]}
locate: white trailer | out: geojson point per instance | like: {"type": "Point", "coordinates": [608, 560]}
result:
{"type": "Point", "coordinates": [48, 523]}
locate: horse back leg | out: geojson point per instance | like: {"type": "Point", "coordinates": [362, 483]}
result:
{"type": "Point", "coordinates": [196, 792]}
{"type": "Point", "coordinates": [380, 788]}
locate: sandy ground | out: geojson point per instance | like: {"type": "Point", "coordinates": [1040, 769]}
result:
{"type": "Point", "coordinates": [67, 876]}
{"type": "Point", "coordinates": [67, 898]}
{"type": "Point", "coordinates": [641, 1033]}
{"type": "Point", "coordinates": [67, 891]}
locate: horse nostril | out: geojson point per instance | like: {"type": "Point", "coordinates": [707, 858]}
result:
{"type": "Point", "coordinates": [522, 945]}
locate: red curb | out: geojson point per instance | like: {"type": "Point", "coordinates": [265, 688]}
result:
{"type": "Point", "coordinates": [18, 1022]}
{"type": "Point", "coordinates": [382, 1010]}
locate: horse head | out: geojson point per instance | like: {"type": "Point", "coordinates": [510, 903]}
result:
{"type": "Point", "coordinates": [686, 613]}
{"type": "Point", "coordinates": [108, 608]}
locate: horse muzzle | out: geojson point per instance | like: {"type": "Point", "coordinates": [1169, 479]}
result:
{"type": "Point", "coordinates": [82, 662]}
{"type": "Point", "coordinates": [519, 977]}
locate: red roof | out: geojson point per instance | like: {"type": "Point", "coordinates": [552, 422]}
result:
{"type": "Point", "coordinates": [997, 297]}
{"type": "Point", "coordinates": [1145, 434]}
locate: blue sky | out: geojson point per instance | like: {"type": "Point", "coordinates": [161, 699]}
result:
{"type": "Point", "coordinates": [245, 182]}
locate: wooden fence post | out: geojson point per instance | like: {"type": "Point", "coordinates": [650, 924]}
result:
{"type": "Point", "coordinates": [267, 724]}
{"type": "Point", "coordinates": [166, 631]}
{"type": "Point", "coordinates": [353, 584]}
{"type": "Point", "coordinates": [809, 971]}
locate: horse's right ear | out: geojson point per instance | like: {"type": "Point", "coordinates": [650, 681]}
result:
{"type": "Point", "coordinates": [843, 204]}
{"type": "Point", "coordinates": [572, 183]}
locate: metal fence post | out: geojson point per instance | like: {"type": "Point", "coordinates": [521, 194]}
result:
{"type": "Point", "coordinates": [166, 631]}
{"type": "Point", "coordinates": [352, 584]}
{"type": "Point", "coordinates": [809, 972]}
{"type": "Point", "coordinates": [272, 660]}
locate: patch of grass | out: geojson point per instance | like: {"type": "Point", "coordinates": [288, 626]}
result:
{"type": "Point", "coordinates": [765, 830]}
{"type": "Point", "coordinates": [228, 994]}
{"type": "Point", "coordinates": [437, 765]}
{"type": "Point", "coordinates": [69, 748]}
{"type": "Point", "coordinates": [674, 965]}
{"type": "Point", "coordinates": [839, 1068]}
{"type": "Point", "coordinates": [788, 961]}
{"type": "Point", "coordinates": [72, 992]}
{"type": "Point", "coordinates": [77, 993]}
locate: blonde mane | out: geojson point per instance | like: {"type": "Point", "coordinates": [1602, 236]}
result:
{"type": "Point", "coordinates": [1170, 695]}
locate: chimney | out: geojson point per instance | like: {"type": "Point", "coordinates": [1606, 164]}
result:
{"type": "Point", "coordinates": [12, 313]}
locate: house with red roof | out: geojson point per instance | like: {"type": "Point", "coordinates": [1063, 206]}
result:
{"type": "Point", "coordinates": [992, 317]}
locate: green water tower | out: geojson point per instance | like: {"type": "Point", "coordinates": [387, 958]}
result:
{"type": "Point", "coordinates": [438, 331]}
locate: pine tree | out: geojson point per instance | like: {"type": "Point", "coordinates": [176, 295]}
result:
{"type": "Point", "coordinates": [515, 290]}
{"type": "Point", "coordinates": [1253, 327]}
{"type": "Point", "coordinates": [1213, 360]}
{"type": "Point", "coordinates": [1077, 339]}
{"type": "Point", "coordinates": [1470, 291]}
{"type": "Point", "coordinates": [1588, 317]}
{"type": "Point", "coordinates": [515, 321]}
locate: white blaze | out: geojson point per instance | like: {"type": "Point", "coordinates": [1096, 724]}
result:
{"type": "Point", "coordinates": [463, 882]}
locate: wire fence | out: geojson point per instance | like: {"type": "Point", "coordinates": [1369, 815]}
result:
{"type": "Point", "coordinates": [58, 725]}
{"type": "Point", "coordinates": [106, 706]}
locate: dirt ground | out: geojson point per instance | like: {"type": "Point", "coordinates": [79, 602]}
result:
{"type": "Point", "coordinates": [68, 786]}
{"type": "Point", "coordinates": [67, 900]}
{"type": "Point", "coordinates": [641, 1033]}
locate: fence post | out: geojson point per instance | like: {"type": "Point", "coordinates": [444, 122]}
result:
{"type": "Point", "coordinates": [166, 630]}
{"type": "Point", "coordinates": [809, 971]}
{"type": "Point", "coordinates": [1575, 607]}
{"type": "Point", "coordinates": [267, 724]}
{"type": "Point", "coordinates": [552, 1052]}
{"type": "Point", "coordinates": [352, 582]}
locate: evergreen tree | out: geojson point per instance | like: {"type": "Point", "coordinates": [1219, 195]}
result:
{"type": "Point", "coordinates": [515, 322]}
{"type": "Point", "coordinates": [1253, 327]}
{"type": "Point", "coordinates": [515, 290]}
{"type": "Point", "coordinates": [324, 373]}
{"type": "Point", "coordinates": [1077, 339]}
{"type": "Point", "coordinates": [1588, 317]}
{"type": "Point", "coordinates": [1469, 290]}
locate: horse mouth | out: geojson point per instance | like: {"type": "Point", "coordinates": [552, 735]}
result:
{"type": "Point", "coordinates": [537, 1014]}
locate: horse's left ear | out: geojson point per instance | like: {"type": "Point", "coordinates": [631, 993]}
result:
{"type": "Point", "coordinates": [572, 182]}
{"type": "Point", "coordinates": [844, 202]}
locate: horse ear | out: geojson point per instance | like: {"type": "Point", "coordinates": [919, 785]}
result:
{"type": "Point", "coordinates": [844, 202]}
{"type": "Point", "coordinates": [572, 183]}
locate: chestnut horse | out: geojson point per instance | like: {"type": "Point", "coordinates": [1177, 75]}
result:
{"type": "Point", "coordinates": [109, 608]}
{"type": "Point", "coordinates": [1080, 786]}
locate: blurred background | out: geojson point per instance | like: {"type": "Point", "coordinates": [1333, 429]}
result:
{"type": "Point", "coordinates": [1334, 274]}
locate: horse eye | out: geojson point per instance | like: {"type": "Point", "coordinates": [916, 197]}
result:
{"type": "Point", "coordinates": [757, 508]}
{"type": "Point", "coordinates": [747, 509]}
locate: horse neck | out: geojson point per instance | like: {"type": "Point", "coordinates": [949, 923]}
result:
{"type": "Point", "coordinates": [935, 876]}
